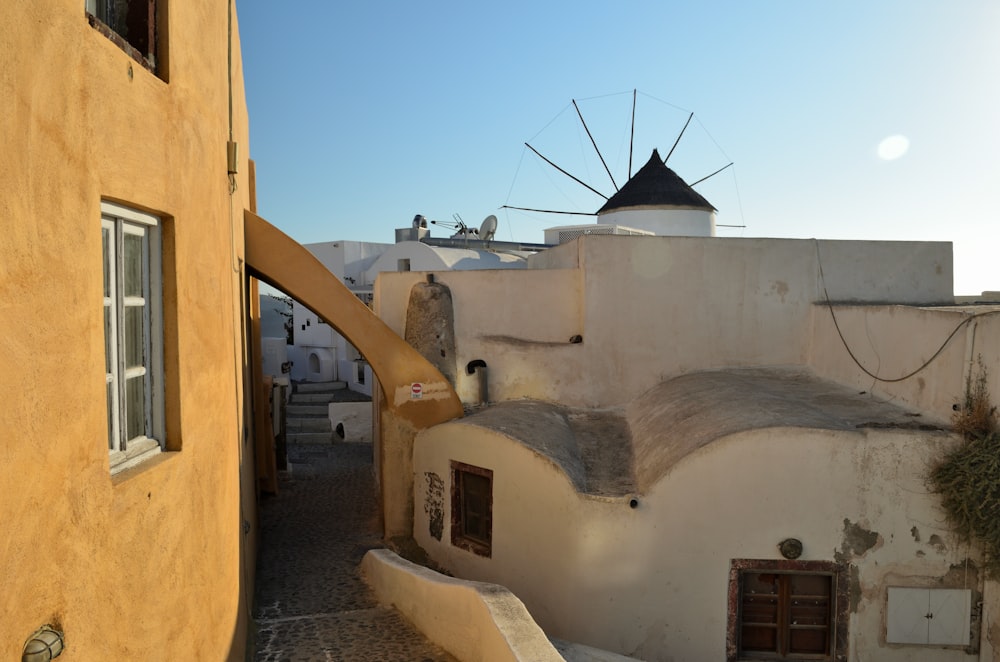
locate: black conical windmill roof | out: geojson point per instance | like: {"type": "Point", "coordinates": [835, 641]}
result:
{"type": "Point", "coordinates": [656, 185]}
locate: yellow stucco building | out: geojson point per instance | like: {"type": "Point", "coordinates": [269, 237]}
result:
{"type": "Point", "coordinates": [115, 189]}
{"type": "Point", "coordinates": [127, 251]}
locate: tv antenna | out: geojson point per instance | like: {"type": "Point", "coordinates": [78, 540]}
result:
{"type": "Point", "coordinates": [488, 228]}
{"type": "Point", "coordinates": [462, 231]}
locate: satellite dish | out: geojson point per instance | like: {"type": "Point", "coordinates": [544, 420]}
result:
{"type": "Point", "coordinates": [488, 228]}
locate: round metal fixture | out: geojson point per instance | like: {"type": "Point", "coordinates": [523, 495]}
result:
{"type": "Point", "coordinates": [790, 548]}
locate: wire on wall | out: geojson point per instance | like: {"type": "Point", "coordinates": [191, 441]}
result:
{"type": "Point", "coordinates": [836, 324]}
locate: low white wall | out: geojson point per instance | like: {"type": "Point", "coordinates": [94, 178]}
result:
{"type": "Point", "coordinates": [274, 354]}
{"type": "Point", "coordinates": [652, 582]}
{"type": "Point", "coordinates": [894, 341]}
{"type": "Point", "coordinates": [470, 620]}
{"type": "Point", "coordinates": [354, 417]}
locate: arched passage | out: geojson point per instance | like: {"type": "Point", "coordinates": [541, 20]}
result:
{"type": "Point", "coordinates": [276, 259]}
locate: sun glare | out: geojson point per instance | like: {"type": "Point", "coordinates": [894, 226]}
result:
{"type": "Point", "coordinates": [893, 147]}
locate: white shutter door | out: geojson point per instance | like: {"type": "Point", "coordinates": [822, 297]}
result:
{"type": "Point", "coordinates": [951, 609]}
{"type": "Point", "coordinates": [906, 620]}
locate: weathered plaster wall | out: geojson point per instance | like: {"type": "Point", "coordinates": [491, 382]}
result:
{"type": "Point", "coordinates": [895, 341]}
{"type": "Point", "coordinates": [519, 322]}
{"type": "Point", "coordinates": [649, 308]}
{"type": "Point", "coordinates": [991, 622]}
{"type": "Point", "coordinates": [652, 581]}
{"type": "Point", "coordinates": [145, 565]}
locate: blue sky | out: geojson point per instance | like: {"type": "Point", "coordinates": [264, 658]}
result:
{"type": "Point", "coordinates": [363, 114]}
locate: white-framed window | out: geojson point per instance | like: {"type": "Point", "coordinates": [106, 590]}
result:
{"type": "Point", "coordinates": [133, 334]}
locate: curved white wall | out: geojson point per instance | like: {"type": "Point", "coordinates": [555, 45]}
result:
{"type": "Point", "coordinates": [664, 222]}
{"type": "Point", "coordinates": [652, 582]}
{"type": "Point", "coordinates": [424, 257]}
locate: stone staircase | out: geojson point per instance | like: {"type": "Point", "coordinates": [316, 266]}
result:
{"type": "Point", "coordinates": [307, 416]}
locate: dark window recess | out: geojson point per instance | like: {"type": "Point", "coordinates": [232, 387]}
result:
{"type": "Point", "coordinates": [472, 508]}
{"type": "Point", "coordinates": [129, 23]}
{"type": "Point", "coordinates": [787, 610]}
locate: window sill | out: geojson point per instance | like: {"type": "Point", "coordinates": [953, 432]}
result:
{"type": "Point", "coordinates": [147, 63]}
{"type": "Point", "coordinates": [138, 451]}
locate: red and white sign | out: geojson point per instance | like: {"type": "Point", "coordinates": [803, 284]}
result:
{"type": "Point", "coordinates": [416, 391]}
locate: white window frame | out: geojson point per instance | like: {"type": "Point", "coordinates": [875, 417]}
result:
{"type": "Point", "coordinates": [117, 222]}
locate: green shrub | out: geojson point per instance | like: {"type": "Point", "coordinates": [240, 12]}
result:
{"type": "Point", "coordinates": [968, 478]}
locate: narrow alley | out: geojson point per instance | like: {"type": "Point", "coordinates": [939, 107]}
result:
{"type": "Point", "coordinates": [311, 602]}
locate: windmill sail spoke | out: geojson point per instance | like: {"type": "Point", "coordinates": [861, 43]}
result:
{"type": "Point", "coordinates": [678, 138]}
{"type": "Point", "coordinates": [654, 199]}
{"type": "Point", "coordinates": [594, 143]}
{"type": "Point", "coordinates": [575, 179]}
{"type": "Point", "coordinates": [551, 211]}
{"type": "Point", "coordinates": [712, 175]}
{"type": "Point", "coordinates": [631, 138]}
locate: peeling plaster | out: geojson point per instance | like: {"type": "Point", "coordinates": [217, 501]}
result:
{"type": "Point", "coordinates": [780, 288]}
{"type": "Point", "coordinates": [434, 504]}
{"type": "Point", "coordinates": [430, 326]}
{"type": "Point", "coordinates": [858, 540]}
{"type": "Point", "coordinates": [855, 589]}
{"type": "Point", "coordinates": [938, 544]}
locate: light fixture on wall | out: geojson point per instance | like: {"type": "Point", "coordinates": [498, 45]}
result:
{"type": "Point", "coordinates": [790, 548]}
{"type": "Point", "coordinates": [45, 644]}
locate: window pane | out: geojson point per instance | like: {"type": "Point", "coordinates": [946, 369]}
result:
{"type": "Point", "coordinates": [106, 241]}
{"type": "Point", "coordinates": [114, 13]}
{"type": "Point", "coordinates": [133, 258]}
{"type": "Point", "coordinates": [135, 346]}
{"type": "Point", "coordinates": [476, 506]}
{"type": "Point", "coordinates": [135, 407]}
{"type": "Point", "coordinates": [111, 417]}
{"type": "Point", "coordinates": [108, 340]}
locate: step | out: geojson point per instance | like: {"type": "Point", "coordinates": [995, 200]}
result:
{"type": "Point", "coordinates": [295, 410]}
{"type": "Point", "coordinates": [573, 652]}
{"type": "Point", "coordinates": [310, 437]}
{"type": "Point", "coordinates": [319, 387]}
{"type": "Point", "coordinates": [311, 398]}
{"type": "Point", "coordinates": [310, 424]}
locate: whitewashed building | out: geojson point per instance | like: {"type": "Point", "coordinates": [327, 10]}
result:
{"type": "Point", "coordinates": [703, 448]}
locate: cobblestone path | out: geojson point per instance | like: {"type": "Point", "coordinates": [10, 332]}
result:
{"type": "Point", "coordinates": [311, 602]}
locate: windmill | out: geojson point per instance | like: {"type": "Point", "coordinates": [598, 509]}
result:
{"type": "Point", "coordinates": [653, 199]}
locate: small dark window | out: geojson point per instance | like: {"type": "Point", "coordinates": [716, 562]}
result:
{"type": "Point", "coordinates": [787, 610]}
{"type": "Point", "coordinates": [472, 508]}
{"type": "Point", "coordinates": [129, 23]}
